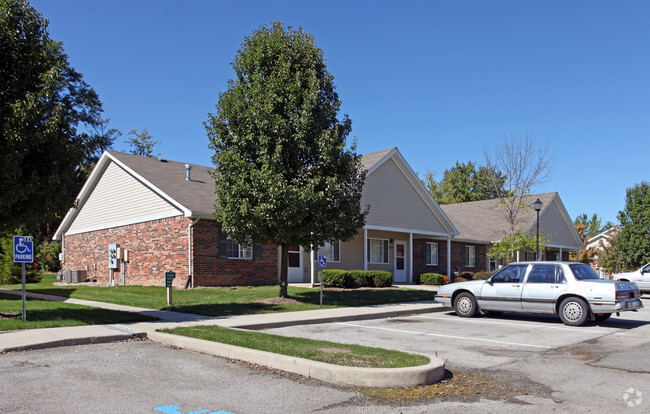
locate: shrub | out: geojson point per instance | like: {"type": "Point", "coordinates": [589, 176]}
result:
{"type": "Point", "coordinates": [381, 278]}
{"type": "Point", "coordinates": [466, 275]}
{"type": "Point", "coordinates": [446, 278]}
{"type": "Point", "coordinates": [481, 275]}
{"type": "Point", "coordinates": [433, 279]}
{"type": "Point", "coordinates": [48, 255]}
{"type": "Point", "coordinates": [348, 279]}
{"type": "Point", "coordinates": [337, 278]}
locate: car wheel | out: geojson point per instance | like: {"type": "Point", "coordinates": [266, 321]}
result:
{"type": "Point", "coordinates": [602, 317]}
{"type": "Point", "coordinates": [574, 311]}
{"type": "Point", "coordinates": [465, 305]}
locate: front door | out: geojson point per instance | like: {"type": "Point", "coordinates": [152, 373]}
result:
{"type": "Point", "coordinates": [295, 265]}
{"type": "Point", "coordinates": [399, 274]}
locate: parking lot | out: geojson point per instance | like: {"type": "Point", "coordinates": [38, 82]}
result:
{"type": "Point", "coordinates": [579, 367]}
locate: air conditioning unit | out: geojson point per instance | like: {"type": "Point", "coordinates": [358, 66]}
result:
{"type": "Point", "coordinates": [74, 276]}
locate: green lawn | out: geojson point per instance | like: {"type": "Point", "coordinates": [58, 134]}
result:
{"type": "Point", "coordinates": [324, 351]}
{"type": "Point", "coordinates": [46, 314]}
{"type": "Point", "coordinates": [226, 301]}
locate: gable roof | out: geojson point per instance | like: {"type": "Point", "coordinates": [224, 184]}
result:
{"type": "Point", "coordinates": [482, 221]}
{"type": "Point", "coordinates": [196, 198]}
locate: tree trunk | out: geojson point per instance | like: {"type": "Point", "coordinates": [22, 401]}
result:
{"type": "Point", "coordinates": [284, 270]}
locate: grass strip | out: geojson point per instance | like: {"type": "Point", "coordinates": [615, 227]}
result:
{"type": "Point", "coordinates": [46, 314]}
{"type": "Point", "coordinates": [225, 301]}
{"type": "Point", "coordinates": [323, 351]}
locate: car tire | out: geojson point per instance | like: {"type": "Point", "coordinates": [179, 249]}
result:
{"type": "Point", "coordinates": [602, 317]}
{"type": "Point", "coordinates": [465, 305]}
{"type": "Point", "coordinates": [574, 311]}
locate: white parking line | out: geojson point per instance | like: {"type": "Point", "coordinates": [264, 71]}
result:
{"type": "Point", "coordinates": [444, 336]}
{"type": "Point", "coordinates": [576, 329]}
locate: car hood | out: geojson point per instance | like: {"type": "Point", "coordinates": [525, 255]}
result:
{"type": "Point", "coordinates": [624, 274]}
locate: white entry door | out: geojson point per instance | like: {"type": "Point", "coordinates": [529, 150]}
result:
{"type": "Point", "coordinates": [295, 265]}
{"type": "Point", "coordinates": [399, 272]}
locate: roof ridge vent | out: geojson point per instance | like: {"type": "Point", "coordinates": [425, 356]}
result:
{"type": "Point", "coordinates": [162, 160]}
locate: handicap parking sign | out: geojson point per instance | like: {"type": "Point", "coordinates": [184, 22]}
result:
{"type": "Point", "coordinates": [23, 249]}
{"type": "Point", "coordinates": [322, 261]}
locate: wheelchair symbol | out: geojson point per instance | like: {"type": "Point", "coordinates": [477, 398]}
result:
{"type": "Point", "coordinates": [22, 248]}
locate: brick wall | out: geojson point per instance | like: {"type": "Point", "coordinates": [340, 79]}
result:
{"type": "Point", "coordinates": [419, 266]}
{"type": "Point", "coordinates": [210, 270]}
{"type": "Point", "coordinates": [457, 257]}
{"type": "Point", "coordinates": [158, 246]}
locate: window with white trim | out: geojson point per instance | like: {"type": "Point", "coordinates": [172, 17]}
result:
{"type": "Point", "coordinates": [330, 250]}
{"type": "Point", "coordinates": [237, 251]}
{"type": "Point", "coordinates": [378, 251]}
{"type": "Point", "coordinates": [431, 254]}
{"type": "Point", "coordinates": [530, 256]}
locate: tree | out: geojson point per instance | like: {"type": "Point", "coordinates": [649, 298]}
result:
{"type": "Point", "coordinates": [463, 182]}
{"type": "Point", "coordinates": [586, 255]}
{"type": "Point", "coordinates": [525, 165]}
{"type": "Point", "coordinates": [592, 226]}
{"type": "Point", "coordinates": [507, 246]}
{"type": "Point", "coordinates": [633, 240]}
{"type": "Point", "coordinates": [282, 171]}
{"type": "Point", "coordinates": [142, 143]}
{"type": "Point", "coordinates": [47, 113]}
{"type": "Point", "coordinates": [608, 255]}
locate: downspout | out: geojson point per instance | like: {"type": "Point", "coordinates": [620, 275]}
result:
{"type": "Point", "coordinates": [189, 250]}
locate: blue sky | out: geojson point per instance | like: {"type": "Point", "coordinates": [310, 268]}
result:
{"type": "Point", "coordinates": [437, 79]}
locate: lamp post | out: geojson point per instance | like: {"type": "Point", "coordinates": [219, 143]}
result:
{"type": "Point", "coordinates": [538, 206]}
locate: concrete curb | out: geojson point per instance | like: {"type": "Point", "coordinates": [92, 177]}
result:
{"type": "Point", "coordinates": [73, 341]}
{"type": "Point", "coordinates": [335, 374]}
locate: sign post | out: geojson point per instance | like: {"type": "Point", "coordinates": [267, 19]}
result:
{"type": "Point", "coordinates": [24, 253]}
{"type": "Point", "coordinates": [322, 263]}
{"type": "Point", "coordinates": [169, 279]}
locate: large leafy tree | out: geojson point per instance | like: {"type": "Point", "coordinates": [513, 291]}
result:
{"type": "Point", "coordinates": [283, 173]}
{"type": "Point", "coordinates": [464, 182]}
{"type": "Point", "coordinates": [47, 115]}
{"type": "Point", "coordinates": [633, 241]}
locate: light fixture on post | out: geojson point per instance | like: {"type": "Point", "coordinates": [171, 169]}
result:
{"type": "Point", "coordinates": [538, 206]}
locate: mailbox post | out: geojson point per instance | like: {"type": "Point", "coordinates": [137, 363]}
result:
{"type": "Point", "coordinates": [169, 280]}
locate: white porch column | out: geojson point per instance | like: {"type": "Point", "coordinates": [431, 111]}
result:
{"type": "Point", "coordinates": [365, 248]}
{"type": "Point", "coordinates": [411, 257]}
{"type": "Point", "coordinates": [311, 265]}
{"type": "Point", "coordinates": [577, 254]}
{"type": "Point", "coordinates": [449, 257]}
{"type": "Point", "coordinates": [518, 256]}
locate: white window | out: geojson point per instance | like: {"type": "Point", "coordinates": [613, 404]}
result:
{"type": "Point", "coordinates": [431, 254]}
{"type": "Point", "coordinates": [237, 251]}
{"type": "Point", "coordinates": [530, 256]}
{"type": "Point", "coordinates": [331, 250]}
{"type": "Point", "coordinates": [378, 251]}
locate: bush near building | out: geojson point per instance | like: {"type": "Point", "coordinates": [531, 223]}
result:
{"type": "Point", "coordinates": [433, 279]}
{"type": "Point", "coordinates": [350, 279]}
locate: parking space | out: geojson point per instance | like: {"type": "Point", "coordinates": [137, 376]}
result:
{"type": "Point", "coordinates": [480, 342]}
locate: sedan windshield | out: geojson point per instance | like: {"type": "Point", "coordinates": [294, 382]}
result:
{"type": "Point", "coordinates": [583, 272]}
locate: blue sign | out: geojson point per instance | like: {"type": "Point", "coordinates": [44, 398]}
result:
{"type": "Point", "coordinates": [23, 249]}
{"type": "Point", "coordinates": [322, 261]}
{"type": "Point", "coordinates": [173, 409]}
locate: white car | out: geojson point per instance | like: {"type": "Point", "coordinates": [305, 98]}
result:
{"type": "Point", "coordinates": [640, 276]}
{"type": "Point", "coordinates": [571, 290]}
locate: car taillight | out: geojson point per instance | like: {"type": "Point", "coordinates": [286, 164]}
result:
{"type": "Point", "coordinates": [624, 295]}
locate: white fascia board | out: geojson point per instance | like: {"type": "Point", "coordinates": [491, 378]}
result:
{"type": "Point", "coordinates": [416, 183]}
{"type": "Point", "coordinates": [83, 195]}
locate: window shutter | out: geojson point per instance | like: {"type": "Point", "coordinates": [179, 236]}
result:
{"type": "Point", "coordinates": [426, 253]}
{"type": "Point", "coordinates": [257, 251]}
{"type": "Point", "coordinates": [442, 260]}
{"type": "Point", "coordinates": [223, 244]}
{"type": "Point", "coordinates": [465, 249]}
{"type": "Point", "coordinates": [478, 257]}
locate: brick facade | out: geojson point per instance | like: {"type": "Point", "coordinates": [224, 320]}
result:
{"type": "Point", "coordinates": [158, 246]}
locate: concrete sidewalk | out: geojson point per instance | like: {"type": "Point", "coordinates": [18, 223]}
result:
{"type": "Point", "coordinates": [54, 337]}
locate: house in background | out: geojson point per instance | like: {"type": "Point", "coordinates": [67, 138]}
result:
{"type": "Point", "coordinates": [597, 243]}
{"type": "Point", "coordinates": [482, 223]}
{"type": "Point", "coordinates": [154, 215]}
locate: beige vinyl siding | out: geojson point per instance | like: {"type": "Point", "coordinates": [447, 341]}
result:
{"type": "Point", "coordinates": [118, 188]}
{"type": "Point", "coordinates": [395, 203]}
{"type": "Point", "coordinates": [554, 227]}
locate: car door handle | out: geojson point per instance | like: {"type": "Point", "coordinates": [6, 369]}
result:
{"type": "Point", "coordinates": [516, 285]}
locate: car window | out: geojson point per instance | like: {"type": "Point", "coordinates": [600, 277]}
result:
{"type": "Point", "coordinates": [542, 273]}
{"type": "Point", "coordinates": [510, 274]}
{"type": "Point", "coordinates": [582, 271]}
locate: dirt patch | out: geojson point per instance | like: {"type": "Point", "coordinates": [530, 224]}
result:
{"type": "Point", "coordinates": [9, 315]}
{"type": "Point", "coordinates": [276, 301]}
